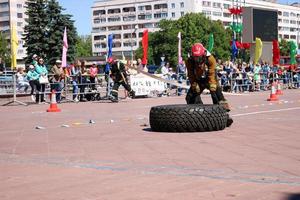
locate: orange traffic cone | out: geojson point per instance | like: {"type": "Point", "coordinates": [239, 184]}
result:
{"type": "Point", "coordinates": [53, 104]}
{"type": "Point", "coordinates": [279, 90]}
{"type": "Point", "coordinates": [273, 96]}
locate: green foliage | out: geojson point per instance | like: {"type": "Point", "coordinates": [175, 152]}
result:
{"type": "Point", "coordinates": [84, 46]}
{"type": "Point", "coordinates": [195, 27]}
{"type": "Point", "coordinates": [4, 50]}
{"type": "Point", "coordinates": [44, 31]}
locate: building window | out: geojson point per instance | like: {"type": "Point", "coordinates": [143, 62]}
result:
{"type": "Point", "coordinates": [216, 5]}
{"type": "Point", "coordinates": [181, 14]}
{"type": "Point", "coordinates": [160, 6]}
{"type": "Point", "coordinates": [219, 14]}
{"type": "Point", "coordinates": [226, 15]}
{"type": "Point", "coordinates": [293, 37]}
{"type": "Point", "coordinates": [113, 19]}
{"type": "Point", "coordinates": [129, 9]}
{"type": "Point", "coordinates": [19, 5]}
{"type": "Point", "coordinates": [3, 5]}
{"type": "Point", "coordinates": [129, 18]}
{"type": "Point", "coordinates": [99, 12]}
{"type": "Point", "coordinates": [286, 14]}
{"type": "Point", "coordinates": [114, 11]}
{"type": "Point", "coordinates": [4, 14]}
{"type": "Point", "coordinates": [286, 36]}
{"type": "Point", "coordinates": [286, 21]}
{"type": "Point", "coordinates": [20, 15]}
{"type": "Point", "coordinates": [206, 12]}
{"type": "Point", "coordinates": [160, 15]}
{"type": "Point", "coordinates": [293, 21]}
{"type": "Point", "coordinates": [148, 16]}
{"type": "Point", "coordinates": [99, 37]}
{"type": "Point", "coordinates": [19, 24]}
{"type": "Point", "coordinates": [173, 5]}
{"type": "Point", "coordinates": [293, 14]}
{"type": "Point", "coordinates": [226, 6]}
{"type": "Point", "coordinates": [206, 3]}
{"type": "Point", "coordinates": [181, 4]}
{"type": "Point", "coordinates": [173, 15]}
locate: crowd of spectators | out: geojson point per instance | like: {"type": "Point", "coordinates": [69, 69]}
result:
{"type": "Point", "coordinates": [233, 77]}
{"type": "Point", "coordinates": [247, 77]}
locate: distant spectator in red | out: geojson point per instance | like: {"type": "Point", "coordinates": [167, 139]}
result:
{"type": "Point", "coordinates": [93, 75]}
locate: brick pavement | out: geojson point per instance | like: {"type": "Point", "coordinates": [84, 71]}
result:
{"type": "Point", "coordinates": [119, 157]}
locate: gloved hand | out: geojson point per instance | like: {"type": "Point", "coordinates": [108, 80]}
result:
{"type": "Point", "coordinates": [212, 87]}
{"type": "Point", "coordinates": [195, 87]}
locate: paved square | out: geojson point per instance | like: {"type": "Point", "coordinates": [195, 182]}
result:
{"type": "Point", "coordinates": [118, 157]}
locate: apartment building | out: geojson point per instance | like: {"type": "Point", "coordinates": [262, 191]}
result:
{"type": "Point", "coordinates": [12, 12]}
{"type": "Point", "coordinates": [127, 19]}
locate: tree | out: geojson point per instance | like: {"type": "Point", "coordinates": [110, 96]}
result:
{"type": "Point", "coordinates": [4, 50]}
{"type": "Point", "coordinates": [194, 27]}
{"type": "Point", "coordinates": [44, 31]}
{"type": "Point", "coordinates": [56, 27]}
{"type": "Point", "coordinates": [35, 35]}
{"type": "Point", "coordinates": [84, 46]}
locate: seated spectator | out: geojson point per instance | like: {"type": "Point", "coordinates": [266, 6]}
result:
{"type": "Point", "coordinates": [33, 78]}
{"type": "Point", "coordinates": [22, 82]}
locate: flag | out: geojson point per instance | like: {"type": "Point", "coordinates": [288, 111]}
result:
{"type": "Point", "coordinates": [14, 47]}
{"type": "Point", "coordinates": [65, 49]}
{"type": "Point", "coordinates": [211, 42]}
{"type": "Point", "coordinates": [293, 52]}
{"type": "Point", "coordinates": [258, 50]}
{"type": "Point", "coordinates": [234, 50]}
{"type": "Point", "coordinates": [110, 45]}
{"type": "Point", "coordinates": [124, 61]}
{"type": "Point", "coordinates": [109, 53]}
{"type": "Point", "coordinates": [145, 47]}
{"type": "Point", "coordinates": [179, 48]}
{"type": "Point", "coordinates": [276, 52]}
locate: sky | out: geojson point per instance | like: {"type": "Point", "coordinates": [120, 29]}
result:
{"type": "Point", "coordinates": [82, 13]}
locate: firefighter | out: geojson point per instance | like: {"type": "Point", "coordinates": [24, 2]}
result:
{"type": "Point", "coordinates": [119, 76]}
{"type": "Point", "coordinates": [201, 67]}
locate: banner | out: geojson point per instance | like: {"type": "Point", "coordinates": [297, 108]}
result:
{"type": "Point", "coordinates": [14, 47]}
{"type": "Point", "coordinates": [145, 47]}
{"type": "Point", "coordinates": [179, 48]}
{"type": "Point", "coordinates": [109, 53]}
{"type": "Point", "coordinates": [276, 52]}
{"type": "Point", "coordinates": [293, 52]}
{"type": "Point", "coordinates": [110, 45]}
{"type": "Point", "coordinates": [258, 50]}
{"type": "Point", "coordinates": [234, 50]}
{"type": "Point", "coordinates": [65, 49]}
{"type": "Point", "coordinates": [211, 42]}
{"type": "Point", "coordinates": [145, 86]}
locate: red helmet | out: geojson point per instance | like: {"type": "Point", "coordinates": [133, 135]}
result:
{"type": "Point", "coordinates": [110, 60]}
{"type": "Point", "coordinates": [198, 50]}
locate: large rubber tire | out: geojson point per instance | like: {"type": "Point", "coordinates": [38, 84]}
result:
{"type": "Point", "coordinates": [188, 118]}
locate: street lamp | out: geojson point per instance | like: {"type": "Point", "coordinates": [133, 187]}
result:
{"type": "Point", "coordinates": [131, 40]}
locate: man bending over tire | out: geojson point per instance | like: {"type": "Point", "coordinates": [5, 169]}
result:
{"type": "Point", "coordinates": [202, 75]}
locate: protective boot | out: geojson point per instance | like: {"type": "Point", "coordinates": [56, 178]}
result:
{"type": "Point", "coordinates": [229, 121]}
{"type": "Point", "coordinates": [114, 96]}
{"type": "Point", "coordinates": [225, 105]}
{"type": "Point", "coordinates": [132, 94]}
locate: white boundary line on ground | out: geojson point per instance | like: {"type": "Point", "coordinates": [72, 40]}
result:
{"type": "Point", "coordinates": [267, 111]}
